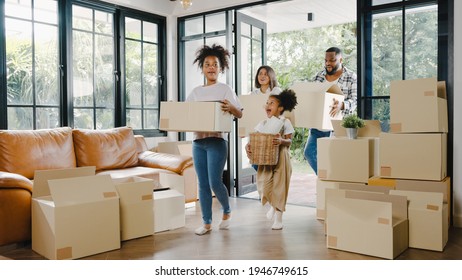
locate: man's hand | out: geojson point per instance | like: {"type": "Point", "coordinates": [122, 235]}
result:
{"type": "Point", "coordinates": [335, 108]}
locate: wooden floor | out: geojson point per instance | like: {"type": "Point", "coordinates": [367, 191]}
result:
{"type": "Point", "coordinates": [249, 238]}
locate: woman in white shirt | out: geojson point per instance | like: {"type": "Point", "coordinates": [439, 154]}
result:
{"type": "Point", "coordinates": [266, 81]}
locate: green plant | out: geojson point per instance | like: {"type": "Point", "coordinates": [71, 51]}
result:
{"type": "Point", "coordinates": [352, 121]}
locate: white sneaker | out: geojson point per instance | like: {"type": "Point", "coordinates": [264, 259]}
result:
{"type": "Point", "coordinates": [277, 225]}
{"type": "Point", "coordinates": [202, 230]}
{"type": "Point", "coordinates": [224, 224]}
{"type": "Point", "coordinates": [270, 213]}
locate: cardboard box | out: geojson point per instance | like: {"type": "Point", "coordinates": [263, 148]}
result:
{"type": "Point", "coordinates": [419, 156]}
{"type": "Point", "coordinates": [194, 116]}
{"type": "Point", "coordinates": [372, 128]}
{"type": "Point", "coordinates": [443, 187]}
{"type": "Point", "coordinates": [428, 223]}
{"type": "Point", "coordinates": [136, 207]}
{"type": "Point", "coordinates": [348, 160]}
{"type": "Point", "coordinates": [314, 103]}
{"type": "Point", "coordinates": [77, 218]}
{"type": "Point", "coordinates": [169, 210]}
{"type": "Point", "coordinates": [367, 223]}
{"type": "Point", "coordinates": [418, 105]}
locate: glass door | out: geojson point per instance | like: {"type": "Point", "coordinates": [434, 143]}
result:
{"type": "Point", "coordinates": [250, 38]}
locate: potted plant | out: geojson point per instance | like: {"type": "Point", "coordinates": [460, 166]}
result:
{"type": "Point", "coordinates": [351, 123]}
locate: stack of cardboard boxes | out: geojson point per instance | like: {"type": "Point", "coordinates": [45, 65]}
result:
{"type": "Point", "coordinates": [361, 184]}
{"type": "Point", "coordinates": [76, 213]}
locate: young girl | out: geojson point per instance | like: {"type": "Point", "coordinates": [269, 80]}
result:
{"type": "Point", "coordinates": [266, 82]}
{"type": "Point", "coordinates": [210, 149]}
{"type": "Point", "coordinates": [273, 180]}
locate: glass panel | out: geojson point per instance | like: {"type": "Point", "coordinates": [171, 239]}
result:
{"type": "Point", "coordinates": [46, 11]}
{"type": "Point", "coordinates": [246, 66]}
{"type": "Point", "coordinates": [46, 65]}
{"type": "Point", "coordinates": [103, 23]}
{"type": "Point", "coordinates": [150, 76]}
{"type": "Point", "coordinates": [104, 118]}
{"type": "Point", "coordinates": [104, 68]}
{"type": "Point", "coordinates": [381, 111]}
{"type": "Point", "coordinates": [194, 26]}
{"type": "Point", "coordinates": [386, 51]}
{"type": "Point", "coordinates": [257, 33]}
{"type": "Point", "coordinates": [380, 2]}
{"type": "Point", "coordinates": [132, 28]}
{"type": "Point", "coordinates": [245, 29]}
{"type": "Point", "coordinates": [83, 69]}
{"type": "Point", "coordinates": [20, 118]}
{"type": "Point", "coordinates": [150, 32]}
{"type": "Point", "coordinates": [151, 119]}
{"type": "Point", "coordinates": [19, 61]}
{"type": "Point", "coordinates": [421, 42]}
{"type": "Point", "coordinates": [82, 18]}
{"type": "Point", "coordinates": [133, 73]}
{"type": "Point", "coordinates": [257, 60]}
{"type": "Point", "coordinates": [20, 9]}
{"type": "Point", "coordinates": [83, 118]}
{"type": "Point", "coordinates": [215, 22]}
{"type": "Point", "coordinates": [193, 76]}
{"type": "Point", "coordinates": [134, 118]}
{"type": "Point", "coordinates": [47, 118]}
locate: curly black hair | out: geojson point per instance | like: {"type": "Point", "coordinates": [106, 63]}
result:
{"type": "Point", "coordinates": [287, 99]}
{"type": "Point", "coordinates": [215, 50]}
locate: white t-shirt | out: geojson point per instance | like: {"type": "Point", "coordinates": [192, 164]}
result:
{"type": "Point", "coordinates": [215, 92]}
{"type": "Point", "coordinates": [287, 127]}
{"type": "Point", "coordinates": [276, 90]}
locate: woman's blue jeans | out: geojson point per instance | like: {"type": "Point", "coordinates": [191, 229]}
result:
{"type": "Point", "coordinates": [311, 148]}
{"type": "Point", "coordinates": [209, 155]}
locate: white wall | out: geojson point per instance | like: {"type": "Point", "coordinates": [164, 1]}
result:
{"type": "Point", "coordinates": [457, 174]}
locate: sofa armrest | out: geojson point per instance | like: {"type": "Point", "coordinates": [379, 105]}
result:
{"type": "Point", "coordinates": [174, 163]}
{"type": "Point", "coordinates": [14, 181]}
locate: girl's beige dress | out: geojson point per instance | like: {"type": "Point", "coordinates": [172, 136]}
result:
{"type": "Point", "coordinates": [273, 180]}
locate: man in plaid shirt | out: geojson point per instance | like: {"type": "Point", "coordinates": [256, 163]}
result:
{"type": "Point", "coordinates": [334, 71]}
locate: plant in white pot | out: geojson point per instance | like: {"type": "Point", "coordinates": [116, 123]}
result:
{"type": "Point", "coordinates": [351, 123]}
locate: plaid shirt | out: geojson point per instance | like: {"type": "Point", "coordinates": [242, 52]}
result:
{"type": "Point", "coordinates": [347, 82]}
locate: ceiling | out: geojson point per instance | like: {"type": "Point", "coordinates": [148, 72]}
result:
{"type": "Point", "coordinates": [293, 15]}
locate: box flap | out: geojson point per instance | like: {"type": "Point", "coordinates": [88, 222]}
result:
{"type": "Point", "coordinates": [41, 177]}
{"type": "Point", "coordinates": [430, 201]}
{"type": "Point", "coordinates": [79, 190]}
{"type": "Point", "coordinates": [315, 87]}
{"type": "Point", "coordinates": [371, 129]}
{"type": "Point", "coordinates": [399, 203]}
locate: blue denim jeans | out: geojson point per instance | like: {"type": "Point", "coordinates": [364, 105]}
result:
{"type": "Point", "coordinates": [209, 155]}
{"type": "Point", "coordinates": [311, 148]}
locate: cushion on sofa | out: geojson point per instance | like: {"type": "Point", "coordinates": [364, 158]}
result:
{"type": "Point", "coordinates": [106, 149]}
{"type": "Point", "coordinates": [24, 151]}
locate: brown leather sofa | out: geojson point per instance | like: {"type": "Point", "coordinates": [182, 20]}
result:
{"type": "Point", "coordinates": [117, 152]}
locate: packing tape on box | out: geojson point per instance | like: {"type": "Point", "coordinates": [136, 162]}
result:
{"type": "Point", "coordinates": [429, 93]}
{"type": "Point", "coordinates": [396, 127]}
{"type": "Point", "coordinates": [322, 174]}
{"type": "Point", "coordinates": [146, 197]}
{"type": "Point", "coordinates": [64, 253]}
{"type": "Point", "coordinates": [385, 171]}
{"type": "Point", "coordinates": [382, 182]}
{"type": "Point", "coordinates": [432, 207]}
{"type": "Point", "coordinates": [332, 241]}
{"type": "Point", "coordinates": [109, 194]}
{"type": "Point", "coordinates": [383, 221]}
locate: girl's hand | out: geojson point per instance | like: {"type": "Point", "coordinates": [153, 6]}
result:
{"type": "Point", "coordinates": [227, 106]}
{"type": "Point", "coordinates": [247, 150]}
{"type": "Point", "coordinates": [277, 140]}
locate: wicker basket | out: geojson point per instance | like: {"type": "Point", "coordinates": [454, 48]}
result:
{"type": "Point", "coordinates": [263, 152]}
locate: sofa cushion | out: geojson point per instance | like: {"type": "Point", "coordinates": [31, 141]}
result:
{"type": "Point", "coordinates": [24, 151]}
{"type": "Point", "coordinates": [105, 149]}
